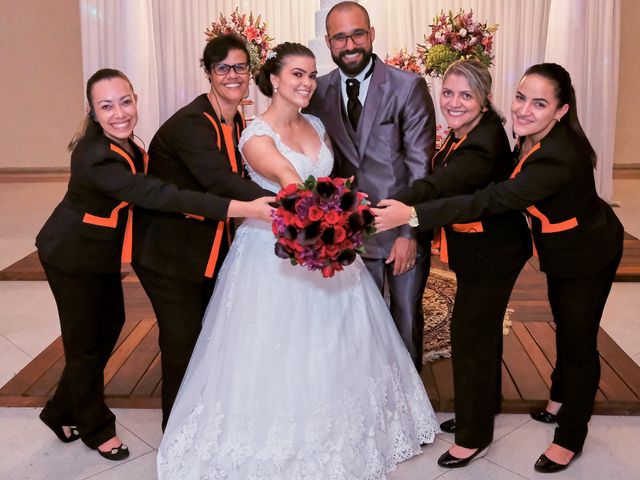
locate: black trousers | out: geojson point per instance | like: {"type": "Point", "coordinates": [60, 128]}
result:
{"type": "Point", "coordinates": [405, 295]}
{"type": "Point", "coordinates": [179, 307]}
{"type": "Point", "coordinates": [577, 305]}
{"type": "Point", "coordinates": [91, 310]}
{"type": "Point", "coordinates": [476, 354]}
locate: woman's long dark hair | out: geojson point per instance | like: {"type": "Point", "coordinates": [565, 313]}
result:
{"type": "Point", "coordinates": [565, 94]}
{"type": "Point", "coordinates": [90, 119]}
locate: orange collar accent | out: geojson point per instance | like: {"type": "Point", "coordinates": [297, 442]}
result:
{"type": "Point", "coordinates": [516, 170]}
{"type": "Point", "coordinates": [451, 149]}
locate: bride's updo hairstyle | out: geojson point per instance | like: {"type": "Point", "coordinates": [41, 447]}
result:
{"type": "Point", "coordinates": [275, 61]}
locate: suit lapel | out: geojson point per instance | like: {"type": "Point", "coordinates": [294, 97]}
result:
{"type": "Point", "coordinates": [337, 128]}
{"type": "Point", "coordinates": [375, 94]}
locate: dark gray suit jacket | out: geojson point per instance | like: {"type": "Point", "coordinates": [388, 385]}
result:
{"type": "Point", "coordinates": [393, 144]}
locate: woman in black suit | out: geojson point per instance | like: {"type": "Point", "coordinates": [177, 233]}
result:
{"type": "Point", "coordinates": [177, 257]}
{"type": "Point", "coordinates": [486, 255]}
{"type": "Point", "coordinates": [81, 246]}
{"type": "Point", "coordinates": [577, 236]}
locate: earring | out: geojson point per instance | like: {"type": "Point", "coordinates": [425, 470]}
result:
{"type": "Point", "coordinates": [275, 89]}
{"type": "Point", "coordinates": [484, 109]}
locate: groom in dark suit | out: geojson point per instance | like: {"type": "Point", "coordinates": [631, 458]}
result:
{"type": "Point", "coordinates": [382, 125]}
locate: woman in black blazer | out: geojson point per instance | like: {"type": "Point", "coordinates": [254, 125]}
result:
{"type": "Point", "coordinates": [486, 255]}
{"type": "Point", "coordinates": [81, 247]}
{"type": "Point", "coordinates": [177, 257]}
{"type": "Point", "coordinates": [577, 236]}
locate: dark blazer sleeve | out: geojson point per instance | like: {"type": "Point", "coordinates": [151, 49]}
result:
{"type": "Point", "coordinates": [111, 175]}
{"type": "Point", "coordinates": [537, 181]}
{"type": "Point", "coordinates": [196, 143]}
{"type": "Point", "coordinates": [471, 167]}
{"type": "Point", "coordinates": [418, 142]}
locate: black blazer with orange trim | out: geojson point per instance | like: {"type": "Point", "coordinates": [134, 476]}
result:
{"type": "Point", "coordinates": [191, 150]}
{"type": "Point", "coordinates": [495, 244]}
{"type": "Point", "coordinates": [575, 232]}
{"type": "Point", "coordinates": [86, 230]}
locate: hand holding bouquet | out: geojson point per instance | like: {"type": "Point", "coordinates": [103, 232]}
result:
{"type": "Point", "coordinates": [322, 224]}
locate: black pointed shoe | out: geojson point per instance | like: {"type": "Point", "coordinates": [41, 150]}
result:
{"type": "Point", "coordinates": [447, 460]}
{"type": "Point", "coordinates": [118, 453]}
{"type": "Point", "coordinates": [545, 465]}
{"type": "Point", "coordinates": [448, 426]}
{"type": "Point", "coordinates": [544, 416]}
{"type": "Point", "coordinates": [57, 429]}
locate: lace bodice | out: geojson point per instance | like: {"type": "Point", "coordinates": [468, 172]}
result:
{"type": "Point", "coordinates": [304, 165]}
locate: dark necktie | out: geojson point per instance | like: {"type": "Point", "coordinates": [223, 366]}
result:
{"type": "Point", "coordinates": [354, 107]}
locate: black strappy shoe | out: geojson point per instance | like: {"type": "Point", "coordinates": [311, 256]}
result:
{"type": "Point", "coordinates": [118, 453]}
{"type": "Point", "coordinates": [57, 429]}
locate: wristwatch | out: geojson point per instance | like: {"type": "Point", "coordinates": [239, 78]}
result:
{"type": "Point", "coordinates": [413, 217]}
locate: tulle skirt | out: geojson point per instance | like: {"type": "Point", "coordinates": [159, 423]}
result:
{"type": "Point", "coordinates": [294, 376]}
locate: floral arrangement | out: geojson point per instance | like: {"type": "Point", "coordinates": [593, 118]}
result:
{"type": "Point", "coordinates": [454, 37]}
{"type": "Point", "coordinates": [404, 60]}
{"type": "Point", "coordinates": [253, 30]}
{"type": "Point", "coordinates": [322, 224]}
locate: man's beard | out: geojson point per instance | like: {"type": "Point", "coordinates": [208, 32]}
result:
{"type": "Point", "coordinates": [352, 68]}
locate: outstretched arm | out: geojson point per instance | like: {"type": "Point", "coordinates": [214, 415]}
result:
{"type": "Point", "coordinates": [261, 153]}
{"type": "Point", "coordinates": [112, 176]}
{"type": "Point", "coordinates": [539, 180]}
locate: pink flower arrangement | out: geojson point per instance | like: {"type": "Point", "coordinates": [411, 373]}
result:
{"type": "Point", "coordinates": [454, 37]}
{"type": "Point", "coordinates": [253, 30]}
{"type": "Point", "coordinates": [404, 60]}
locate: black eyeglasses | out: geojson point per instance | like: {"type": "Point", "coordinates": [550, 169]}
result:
{"type": "Point", "coordinates": [340, 40]}
{"type": "Point", "coordinates": [223, 68]}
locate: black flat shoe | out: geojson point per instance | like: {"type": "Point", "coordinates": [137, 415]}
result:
{"type": "Point", "coordinates": [118, 453]}
{"type": "Point", "coordinates": [544, 416]}
{"type": "Point", "coordinates": [545, 465]}
{"type": "Point", "coordinates": [448, 426]}
{"type": "Point", "coordinates": [447, 460]}
{"type": "Point", "coordinates": [57, 429]}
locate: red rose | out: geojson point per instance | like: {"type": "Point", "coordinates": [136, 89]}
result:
{"type": "Point", "coordinates": [340, 234]}
{"type": "Point", "coordinates": [339, 182]}
{"type": "Point", "coordinates": [290, 189]}
{"type": "Point", "coordinates": [315, 214]}
{"type": "Point", "coordinates": [274, 229]}
{"type": "Point", "coordinates": [323, 179]}
{"type": "Point", "coordinates": [287, 216]}
{"type": "Point", "coordinates": [330, 250]}
{"type": "Point", "coordinates": [337, 266]}
{"type": "Point", "coordinates": [298, 222]}
{"type": "Point", "coordinates": [332, 217]}
{"type": "Point", "coordinates": [306, 193]}
{"type": "Point", "coordinates": [345, 245]}
{"type": "Point", "coordinates": [327, 271]}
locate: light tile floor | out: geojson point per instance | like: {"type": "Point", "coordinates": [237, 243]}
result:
{"type": "Point", "coordinates": [28, 323]}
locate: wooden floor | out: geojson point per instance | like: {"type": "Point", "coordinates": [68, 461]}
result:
{"type": "Point", "coordinates": [133, 380]}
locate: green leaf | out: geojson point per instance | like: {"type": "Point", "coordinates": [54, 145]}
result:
{"type": "Point", "coordinates": [310, 182]}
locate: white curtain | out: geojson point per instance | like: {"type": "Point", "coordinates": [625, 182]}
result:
{"type": "Point", "coordinates": [586, 42]}
{"type": "Point", "coordinates": [158, 43]}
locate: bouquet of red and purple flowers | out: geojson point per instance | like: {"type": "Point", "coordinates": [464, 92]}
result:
{"type": "Point", "coordinates": [322, 224]}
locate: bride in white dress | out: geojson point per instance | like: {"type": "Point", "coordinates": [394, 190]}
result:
{"type": "Point", "coordinates": [294, 376]}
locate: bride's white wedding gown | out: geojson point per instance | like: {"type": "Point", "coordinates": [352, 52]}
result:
{"type": "Point", "coordinates": [294, 376]}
